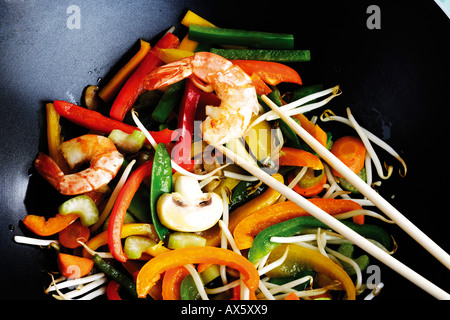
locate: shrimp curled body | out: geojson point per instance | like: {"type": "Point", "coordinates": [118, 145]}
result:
{"type": "Point", "coordinates": [105, 162]}
{"type": "Point", "coordinates": [231, 84]}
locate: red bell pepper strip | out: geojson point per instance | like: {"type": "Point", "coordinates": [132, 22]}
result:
{"type": "Point", "coordinates": [121, 205]}
{"type": "Point", "coordinates": [135, 84]}
{"type": "Point", "coordinates": [272, 73]}
{"type": "Point", "coordinates": [94, 120]}
{"type": "Point", "coordinates": [112, 290]}
{"type": "Point", "coordinates": [186, 119]}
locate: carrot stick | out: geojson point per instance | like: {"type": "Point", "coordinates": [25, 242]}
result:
{"type": "Point", "coordinates": [73, 233]}
{"type": "Point", "coordinates": [74, 267]}
{"type": "Point", "coordinates": [351, 151]}
{"type": "Point", "coordinates": [312, 129]}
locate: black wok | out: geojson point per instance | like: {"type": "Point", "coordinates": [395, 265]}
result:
{"type": "Point", "coordinates": [395, 79]}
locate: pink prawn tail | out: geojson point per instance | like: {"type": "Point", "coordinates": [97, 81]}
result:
{"type": "Point", "coordinates": [169, 74]}
{"type": "Point", "coordinates": [48, 169]}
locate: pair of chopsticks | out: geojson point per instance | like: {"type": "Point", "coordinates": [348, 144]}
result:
{"type": "Point", "coordinates": [339, 227]}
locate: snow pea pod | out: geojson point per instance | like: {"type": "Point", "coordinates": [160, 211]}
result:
{"type": "Point", "coordinates": [161, 182]}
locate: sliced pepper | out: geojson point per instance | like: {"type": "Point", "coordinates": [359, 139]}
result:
{"type": "Point", "coordinates": [161, 182]}
{"type": "Point", "coordinates": [114, 85]}
{"type": "Point", "coordinates": [188, 19]}
{"type": "Point", "coordinates": [254, 39]}
{"type": "Point", "coordinates": [312, 129]}
{"type": "Point", "coordinates": [312, 259]}
{"type": "Point", "coordinates": [262, 245]}
{"type": "Point", "coordinates": [152, 270]}
{"type": "Point", "coordinates": [129, 229]}
{"type": "Point", "coordinates": [172, 282]}
{"type": "Point", "coordinates": [250, 226]}
{"type": "Point", "coordinates": [264, 200]}
{"type": "Point", "coordinates": [135, 85]}
{"type": "Point", "coordinates": [272, 73]}
{"type": "Point", "coordinates": [54, 137]}
{"type": "Point", "coordinates": [95, 121]}
{"type": "Point", "coordinates": [314, 185]}
{"type": "Point", "coordinates": [299, 158]}
{"type": "Point", "coordinates": [49, 227]}
{"type": "Point", "coordinates": [281, 56]}
{"type": "Point", "coordinates": [119, 210]}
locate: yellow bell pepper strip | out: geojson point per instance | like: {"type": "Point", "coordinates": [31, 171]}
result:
{"type": "Point", "coordinates": [152, 270]}
{"type": "Point", "coordinates": [49, 227]}
{"type": "Point", "coordinates": [112, 88]}
{"type": "Point", "coordinates": [264, 200]}
{"type": "Point", "coordinates": [171, 55]}
{"type": "Point", "coordinates": [318, 262]}
{"type": "Point", "coordinates": [129, 229]}
{"type": "Point", "coordinates": [299, 158]}
{"type": "Point", "coordinates": [54, 138]}
{"type": "Point", "coordinates": [259, 220]}
{"type": "Point", "coordinates": [312, 129]}
{"type": "Point", "coordinates": [192, 18]}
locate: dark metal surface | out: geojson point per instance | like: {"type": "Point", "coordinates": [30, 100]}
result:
{"type": "Point", "coordinates": [395, 79]}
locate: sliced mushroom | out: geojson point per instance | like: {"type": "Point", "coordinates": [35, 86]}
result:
{"type": "Point", "coordinates": [188, 209]}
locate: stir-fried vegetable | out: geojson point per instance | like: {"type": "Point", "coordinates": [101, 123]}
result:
{"type": "Point", "coordinates": [181, 222]}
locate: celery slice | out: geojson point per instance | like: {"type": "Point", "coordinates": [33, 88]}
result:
{"type": "Point", "coordinates": [82, 205]}
{"type": "Point", "coordinates": [178, 240]}
{"type": "Point", "coordinates": [127, 143]}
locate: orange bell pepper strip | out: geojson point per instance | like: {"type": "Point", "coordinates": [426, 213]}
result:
{"type": "Point", "coordinates": [172, 281]}
{"type": "Point", "coordinates": [152, 270]}
{"type": "Point", "coordinates": [44, 228]}
{"type": "Point", "coordinates": [112, 88]}
{"type": "Point", "coordinates": [299, 158]}
{"type": "Point", "coordinates": [272, 73]}
{"type": "Point", "coordinates": [312, 129]}
{"type": "Point", "coordinates": [261, 87]}
{"type": "Point", "coordinates": [249, 227]}
{"type": "Point", "coordinates": [213, 235]}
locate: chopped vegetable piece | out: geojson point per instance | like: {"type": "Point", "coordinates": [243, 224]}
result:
{"type": "Point", "coordinates": [69, 236]}
{"type": "Point", "coordinates": [178, 240]}
{"type": "Point", "coordinates": [172, 282]}
{"type": "Point", "coordinates": [262, 244]}
{"type": "Point", "coordinates": [83, 206]}
{"type": "Point", "coordinates": [188, 19]}
{"type": "Point", "coordinates": [135, 85]}
{"type": "Point", "coordinates": [244, 192]}
{"type": "Point", "coordinates": [272, 73]}
{"type": "Point", "coordinates": [300, 257]}
{"type": "Point", "coordinates": [351, 151]}
{"type": "Point", "coordinates": [135, 245]}
{"type": "Point", "coordinates": [54, 138]}
{"type": "Point", "coordinates": [161, 182]}
{"type": "Point", "coordinates": [101, 239]}
{"type": "Point", "coordinates": [347, 250]}
{"type": "Point", "coordinates": [113, 87]}
{"type": "Point", "coordinates": [255, 39]}
{"type": "Point", "coordinates": [124, 281]}
{"type": "Point", "coordinates": [74, 267]}
{"type": "Point", "coordinates": [171, 55]}
{"type": "Point", "coordinates": [281, 56]}
{"type": "Point", "coordinates": [263, 218]}
{"type": "Point", "coordinates": [127, 143]}
{"type": "Point", "coordinates": [169, 101]}
{"type": "Point", "coordinates": [112, 290]}
{"type": "Point", "coordinates": [312, 129]}
{"type": "Point", "coordinates": [310, 184]}
{"type": "Point", "coordinates": [299, 158]}
{"type": "Point", "coordinates": [95, 121]}
{"type": "Point", "coordinates": [44, 228]}
{"type": "Point", "coordinates": [265, 199]}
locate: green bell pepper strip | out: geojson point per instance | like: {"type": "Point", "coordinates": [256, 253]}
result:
{"type": "Point", "coordinates": [254, 39]}
{"type": "Point", "coordinates": [111, 272]}
{"type": "Point", "coordinates": [245, 191]}
{"type": "Point", "coordinates": [161, 182]}
{"type": "Point", "coordinates": [281, 56]}
{"type": "Point", "coordinates": [169, 101]}
{"type": "Point", "coordinates": [262, 245]}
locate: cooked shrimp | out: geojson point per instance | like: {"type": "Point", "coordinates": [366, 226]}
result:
{"type": "Point", "coordinates": [232, 86]}
{"type": "Point", "coordinates": [105, 162]}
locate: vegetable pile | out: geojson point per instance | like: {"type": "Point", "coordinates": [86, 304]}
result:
{"type": "Point", "coordinates": [181, 222]}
